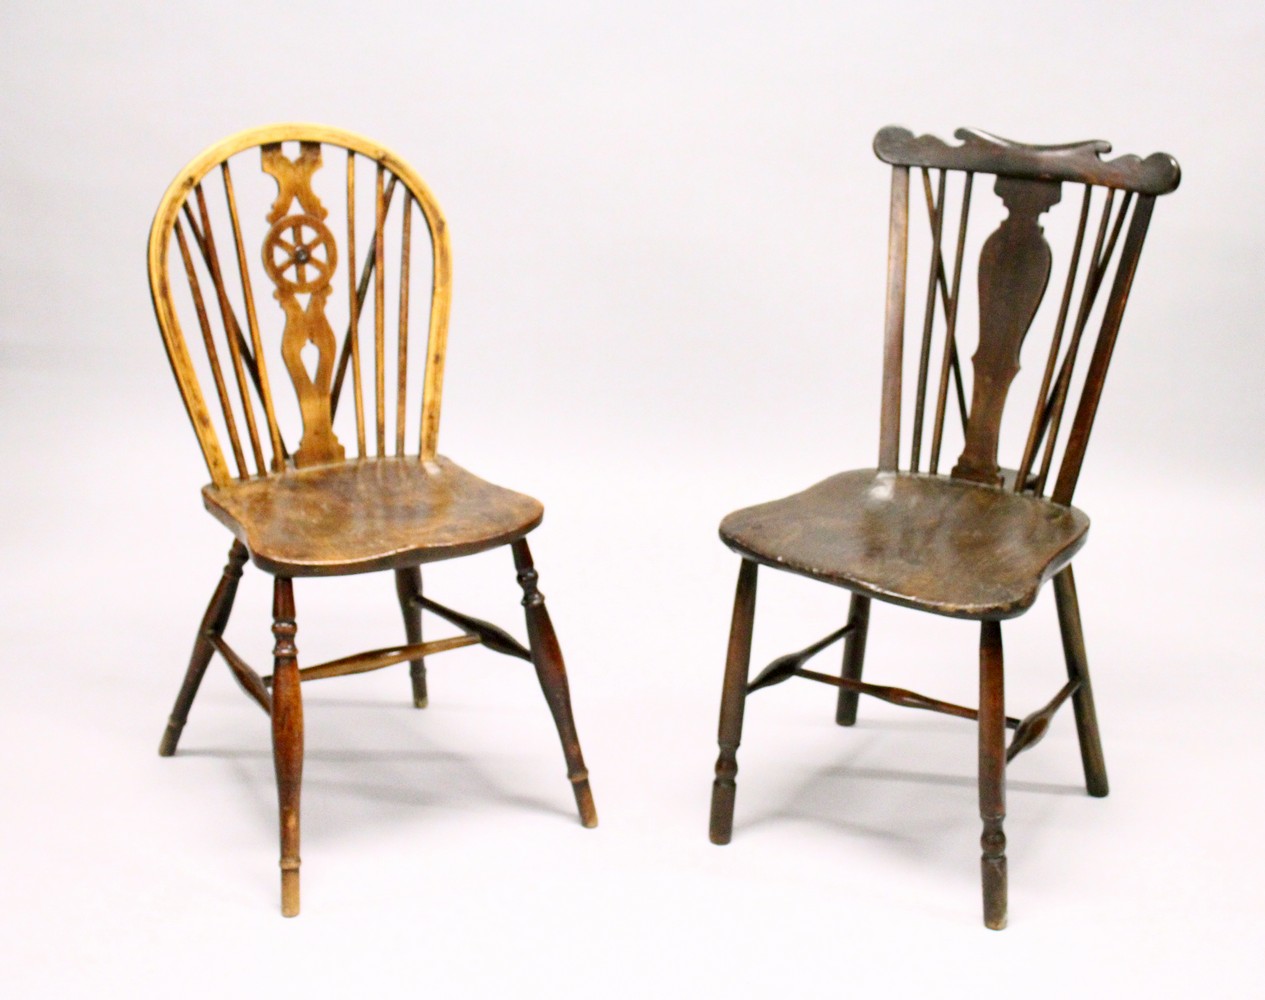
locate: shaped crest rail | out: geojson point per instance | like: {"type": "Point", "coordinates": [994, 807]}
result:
{"type": "Point", "coordinates": [1074, 161]}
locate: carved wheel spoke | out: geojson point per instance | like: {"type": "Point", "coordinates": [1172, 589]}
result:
{"type": "Point", "coordinates": [287, 261]}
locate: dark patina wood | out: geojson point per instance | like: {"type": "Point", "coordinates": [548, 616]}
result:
{"type": "Point", "coordinates": [311, 507]}
{"type": "Point", "coordinates": [247, 677]}
{"type": "Point", "coordinates": [365, 515]}
{"type": "Point", "coordinates": [546, 657]}
{"type": "Point", "coordinates": [984, 153]}
{"type": "Point", "coordinates": [1078, 672]}
{"type": "Point", "coordinates": [1014, 269]}
{"type": "Point", "coordinates": [1035, 725]}
{"type": "Point", "coordinates": [942, 545]}
{"type": "Point", "coordinates": [287, 738]}
{"type": "Point", "coordinates": [377, 659]}
{"type": "Point", "coordinates": [981, 542]}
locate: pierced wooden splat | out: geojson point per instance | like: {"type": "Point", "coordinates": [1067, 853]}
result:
{"type": "Point", "coordinates": [894, 695]}
{"type": "Point", "coordinates": [300, 256]}
{"type": "Point", "coordinates": [1014, 270]}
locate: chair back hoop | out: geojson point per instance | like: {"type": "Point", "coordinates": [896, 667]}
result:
{"type": "Point", "coordinates": [292, 246]}
{"type": "Point", "coordinates": [1013, 270]}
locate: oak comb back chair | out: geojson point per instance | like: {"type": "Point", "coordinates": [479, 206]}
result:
{"type": "Point", "coordinates": [329, 505]}
{"type": "Point", "coordinates": [978, 542]}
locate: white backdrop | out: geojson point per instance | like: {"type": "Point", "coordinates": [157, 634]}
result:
{"type": "Point", "coordinates": [668, 234]}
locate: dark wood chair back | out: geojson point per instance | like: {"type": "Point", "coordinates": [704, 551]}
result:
{"type": "Point", "coordinates": [1013, 270]}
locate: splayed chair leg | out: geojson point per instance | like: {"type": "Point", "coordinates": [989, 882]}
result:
{"type": "Point", "coordinates": [992, 774]}
{"type": "Point", "coordinates": [287, 738]}
{"type": "Point", "coordinates": [733, 700]}
{"type": "Point", "coordinates": [1078, 670]}
{"type": "Point", "coordinates": [408, 587]}
{"type": "Point", "coordinates": [213, 624]}
{"type": "Point", "coordinates": [853, 658]}
{"type": "Point", "coordinates": [546, 656]}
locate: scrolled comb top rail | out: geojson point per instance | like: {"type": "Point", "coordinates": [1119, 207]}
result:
{"type": "Point", "coordinates": [983, 152]}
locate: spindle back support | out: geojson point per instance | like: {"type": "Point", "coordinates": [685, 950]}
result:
{"type": "Point", "coordinates": [329, 239]}
{"type": "Point", "coordinates": [1013, 270]}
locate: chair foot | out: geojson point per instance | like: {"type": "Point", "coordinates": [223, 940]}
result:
{"type": "Point", "coordinates": [992, 774]}
{"type": "Point", "coordinates": [993, 876]}
{"type": "Point", "coordinates": [584, 800]}
{"type": "Point", "coordinates": [546, 656]}
{"type": "Point", "coordinates": [408, 587]}
{"type": "Point", "coordinates": [853, 659]}
{"type": "Point", "coordinates": [287, 738]}
{"type": "Point", "coordinates": [290, 892]}
{"type": "Point", "coordinates": [733, 700]}
{"type": "Point", "coordinates": [213, 623]}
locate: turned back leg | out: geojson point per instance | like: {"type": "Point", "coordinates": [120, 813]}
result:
{"type": "Point", "coordinates": [408, 587]}
{"type": "Point", "coordinates": [213, 624]}
{"type": "Point", "coordinates": [853, 658]}
{"type": "Point", "coordinates": [733, 700]}
{"type": "Point", "coordinates": [546, 656]}
{"type": "Point", "coordinates": [1078, 670]}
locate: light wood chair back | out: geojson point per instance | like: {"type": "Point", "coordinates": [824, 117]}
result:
{"type": "Point", "coordinates": [321, 236]}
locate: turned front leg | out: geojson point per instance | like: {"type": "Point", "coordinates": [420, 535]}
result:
{"type": "Point", "coordinates": [733, 700]}
{"type": "Point", "coordinates": [992, 775]}
{"type": "Point", "coordinates": [546, 656]}
{"type": "Point", "coordinates": [287, 738]}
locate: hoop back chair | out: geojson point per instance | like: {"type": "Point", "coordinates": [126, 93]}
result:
{"type": "Point", "coordinates": [350, 496]}
{"type": "Point", "coordinates": [978, 541]}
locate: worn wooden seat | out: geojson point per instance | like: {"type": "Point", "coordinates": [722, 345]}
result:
{"type": "Point", "coordinates": [312, 489]}
{"type": "Point", "coordinates": [371, 514]}
{"type": "Point", "coordinates": [977, 542]}
{"type": "Point", "coordinates": [927, 542]}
